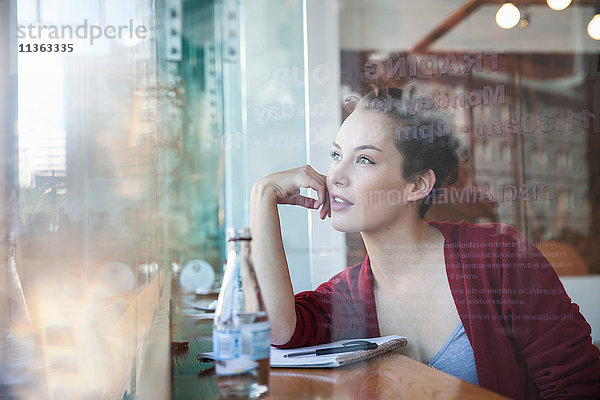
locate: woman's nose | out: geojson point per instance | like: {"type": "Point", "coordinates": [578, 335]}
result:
{"type": "Point", "coordinates": [337, 176]}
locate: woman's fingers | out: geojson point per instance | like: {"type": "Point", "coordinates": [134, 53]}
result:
{"type": "Point", "coordinates": [328, 205]}
{"type": "Point", "coordinates": [321, 188]}
{"type": "Point", "coordinates": [299, 200]}
{"type": "Point", "coordinates": [313, 180]}
{"type": "Point", "coordinates": [287, 185]}
{"type": "Point", "coordinates": [323, 212]}
{"type": "Point", "coordinates": [324, 198]}
{"type": "Point", "coordinates": [325, 209]}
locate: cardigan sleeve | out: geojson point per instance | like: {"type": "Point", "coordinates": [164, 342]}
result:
{"type": "Point", "coordinates": [549, 333]}
{"type": "Point", "coordinates": [328, 313]}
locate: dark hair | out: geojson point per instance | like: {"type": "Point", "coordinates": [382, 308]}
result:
{"type": "Point", "coordinates": [423, 138]}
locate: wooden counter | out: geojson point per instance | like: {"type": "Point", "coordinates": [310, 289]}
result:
{"type": "Point", "coordinates": [389, 376]}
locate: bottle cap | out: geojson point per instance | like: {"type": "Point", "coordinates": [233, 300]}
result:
{"type": "Point", "coordinates": [238, 234]}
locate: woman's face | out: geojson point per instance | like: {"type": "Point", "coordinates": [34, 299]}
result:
{"type": "Point", "coordinates": [365, 183]}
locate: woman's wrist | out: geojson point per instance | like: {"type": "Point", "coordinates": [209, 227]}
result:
{"type": "Point", "coordinates": [263, 193]}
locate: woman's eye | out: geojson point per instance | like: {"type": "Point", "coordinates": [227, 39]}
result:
{"type": "Point", "coordinates": [363, 160]}
{"type": "Point", "coordinates": [335, 155]}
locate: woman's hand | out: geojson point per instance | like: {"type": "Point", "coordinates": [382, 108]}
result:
{"type": "Point", "coordinates": [285, 186]}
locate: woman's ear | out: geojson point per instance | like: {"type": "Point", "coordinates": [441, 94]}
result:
{"type": "Point", "coordinates": [423, 185]}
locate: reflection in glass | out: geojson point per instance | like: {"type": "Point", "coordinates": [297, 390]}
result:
{"type": "Point", "coordinates": [88, 220]}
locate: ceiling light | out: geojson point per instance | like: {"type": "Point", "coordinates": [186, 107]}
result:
{"type": "Point", "coordinates": [594, 27]}
{"type": "Point", "coordinates": [558, 5]}
{"type": "Point", "coordinates": [508, 16]}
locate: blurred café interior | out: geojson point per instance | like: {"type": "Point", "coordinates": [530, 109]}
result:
{"type": "Point", "coordinates": [124, 161]}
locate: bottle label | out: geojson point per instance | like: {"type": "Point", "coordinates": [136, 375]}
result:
{"type": "Point", "coordinates": [252, 340]}
{"type": "Point", "coordinates": [227, 345]}
{"type": "Point", "coordinates": [260, 340]}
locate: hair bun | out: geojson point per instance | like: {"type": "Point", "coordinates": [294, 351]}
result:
{"type": "Point", "coordinates": [350, 103]}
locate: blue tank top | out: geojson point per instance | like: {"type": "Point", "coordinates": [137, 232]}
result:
{"type": "Point", "coordinates": [456, 357]}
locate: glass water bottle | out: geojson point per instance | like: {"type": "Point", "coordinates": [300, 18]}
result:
{"type": "Point", "coordinates": [241, 332]}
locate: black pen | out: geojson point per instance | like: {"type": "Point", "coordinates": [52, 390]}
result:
{"type": "Point", "coordinates": [334, 350]}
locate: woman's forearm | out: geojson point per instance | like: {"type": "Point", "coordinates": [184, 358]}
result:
{"type": "Point", "coordinates": [270, 263]}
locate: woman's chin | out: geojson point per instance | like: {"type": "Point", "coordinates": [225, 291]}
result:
{"type": "Point", "coordinates": [343, 226]}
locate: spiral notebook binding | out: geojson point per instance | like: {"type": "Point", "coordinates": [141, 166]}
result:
{"type": "Point", "coordinates": [367, 354]}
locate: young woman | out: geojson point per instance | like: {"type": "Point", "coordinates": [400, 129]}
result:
{"type": "Point", "coordinates": [477, 301]}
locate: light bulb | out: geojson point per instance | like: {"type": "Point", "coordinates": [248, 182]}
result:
{"type": "Point", "coordinates": [508, 16]}
{"type": "Point", "coordinates": [594, 27]}
{"type": "Point", "coordinates": [558, 5]}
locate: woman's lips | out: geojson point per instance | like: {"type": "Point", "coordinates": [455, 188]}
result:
{"type": "Point", "coordinates": [339, 203]}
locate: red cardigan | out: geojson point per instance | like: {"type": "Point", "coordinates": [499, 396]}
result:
{"type": "Point", "coordinates": [529, 341]}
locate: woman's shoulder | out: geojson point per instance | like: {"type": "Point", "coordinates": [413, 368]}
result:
{"type": "Point", "coordinates": [354, 272]}
{"type": "Point", "coordinates": [349, 276]}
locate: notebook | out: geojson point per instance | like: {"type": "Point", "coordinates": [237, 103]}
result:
{"type": "Point", "coordinates": [385, 343]}
{"type": "Point", "coordinates": [277, 359]}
